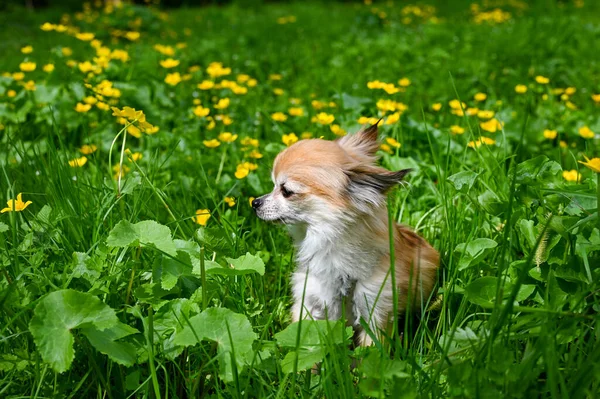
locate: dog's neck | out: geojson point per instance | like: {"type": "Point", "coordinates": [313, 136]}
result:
{"type": "Point", "coordinates": [342, 247]}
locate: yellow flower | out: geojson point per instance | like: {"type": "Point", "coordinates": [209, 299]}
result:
{"type": "Point", "coordinates": [214, 143]}
{"type": "Point", "coordinates": [216, 69]}
{"type": "Point", "coordinates": [275, 76]}
{"type": "Point", "coordinates": [254, 154]}
{"type": "Point", "coordinates": [228, 137]}
{"type": "Point", "coordinates": [129, 113]}
{"type": "Point", "coordinates": [393, 118]}
{"type": "Point", "coordinates": [134, 131]}
{"type": "Point", "coordinates": [252, 82]}
{"type": "Point", "coordinates": [306, 135]}
{"type": "Point", "coordinates": [289, 139]}
{"type": "Point", "coordinates": [48, 68]}
{"type": "Point", "coordinates": [550, 134]}
{"type": "Point", "coordinates": [455, 104]}
{"type": "Point", "coordinates": [375, 84]}
{"type": "Point", "coordinates": [80, 107]}
{"type": "Point", "coordinates": [436, 107]}
{"type": "Point", "coordinates": [491, 126]}
{"type": "Point", "coordinates": [392, 142]}
{"type": "Point", "coordinates": [18, 76]}
{"type": "Point", "coordinates": [222, 103]}
{"type": "Point", "coordinates": [279, 117]}
{"type": "Point", "coordinates": [571, 175]}
{"type": "Point", "coordinates": [596, 98]}
{"type": "Point", "coordinates": [30, 85]}
{"type": "Point", "coordinates": [479, 142]}
{"type": "Point", "coordinates": [593, 164]}
{"type": "Point", "coordinates": [90, 100]}
{"type": "Point", "coordinates": [121, 55]}
{"type": "Point", "coordinates": [27, 50]}
{"type": "Point", "coordinates": [134, 156]}
{"type": "Point", "coordinates": [366, 120]}
{"type": "Point", "coordinates": [88, 149]}
{"type": "Point", "coordinates": [47, 27]}
{"type": "Point", "coordinates": [16, 205]}
{"type": "Point", "coordinates": [27, 66]}
{"type": "Point", "coordinates": [241, 171]}
{"type": "Point", "coordinates": [480, 97]}
{"type": "Point", "coordinates": [277, 91]}
{"type": "Point", "coordinates": [542, 80]}
{"type": "Point", "coordinates": [86, 66]}
{"type": "Point", "coordinates": [85, 36]}
{"type": "Point", "coordinates": [152, 130]}
{"type": "Point", "coordinates": [389, 88]}
{"type": "Point", "coordinates": [324, 118]}
{"type": "Point", "coordinates": [226, 119]}
{"type": "Point", "coordinates": [173, 78]}
{"type": "Point", "coordinates": [337, 130]}
{"type": "Point", "coordinates": [521, 89]}
{"type": "Point", "coordinates": [230, 201]}
{"type": "Point", "coordinates": [202, 216]}
{"type": "Point", "coordinates": [121, 170]}
{"type": "Point", "coordinates": [586, 132]}
{"type": "Point", "coordinates": [66, 51]}
{"type": "Point", "coordinates": [164, 50]}
{"type": "Point", "coordinates": [570, 91]}
{"type": "Point", "coordinates": [485, 114]}
{"type": "Point", "coordinates": [296, 111]}
{"type": "Point", "coordinates": [563, 144]}
{"type": "Point", "coordinates": [78, 162]}
{"type": "Point", "coordinates": [11, 93]}
{"type": "Point", "coordinates": [133, 36]}
{"type": "Point", "coordinates": [247, 141]}
{"type": "Point", "coordinates": [455, 129]}
{"type": "Point", "coordinates": [472, 111]}
{"type": "Point", "coordinates": [404, 82]}
{"type": "Point", "coordinates": [200, 111]}
{"type": "Point", "coordinates": [169, 63]}
{"type": "Point", "coordinates": [386, 148]}
{"type": "Point", "coordinates": [250, 200]}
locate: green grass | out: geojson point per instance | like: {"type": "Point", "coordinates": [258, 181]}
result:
{"type": "Point", "coordinates": [112, 290]}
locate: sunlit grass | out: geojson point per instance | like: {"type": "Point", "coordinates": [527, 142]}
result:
{"type": "Point", "coordinates": [176, 116]}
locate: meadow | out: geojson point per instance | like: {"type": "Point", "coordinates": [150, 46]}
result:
{"type": "Point", "coordinates": [133, 138]}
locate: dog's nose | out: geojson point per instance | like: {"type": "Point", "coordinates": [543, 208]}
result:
{"type": "Point", "coordinates": [257, 203]}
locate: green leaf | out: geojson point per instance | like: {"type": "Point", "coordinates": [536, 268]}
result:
{"type": "Point", "coordinates": [106, 342]}
{"type": "Point", "coordinates": [147, 232]}
{"type": "Point", "coordinates": [247, 264]}
{"type": "Point", "coordinates": [306, 357]}
{"type": "Point", "coordinates": [537, 169]}
{"type": "Point", "coordinates": [57, 315]}
{"type": "Point", "coordinates": [463, 179]}
{"type": "Point", "coordinates": [216, 324]}
{"type": "Point", "coordinates": [123, 234]}
{"type": "Point", "coordinates": [527, 234]}
{"type": "Point", "coordinates": [314, 333]}
{"type": "Point", "coordinates": [482, 291]}
{"type": "Point", "coordinates": [474, 251]}
{"type": "Point", "coordinates": [3, 227]}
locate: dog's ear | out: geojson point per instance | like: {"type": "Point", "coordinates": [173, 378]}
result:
{"type": "Point", "coordinates": [369, 185]}
{"type": "Point", "coordinates": [362, 145]}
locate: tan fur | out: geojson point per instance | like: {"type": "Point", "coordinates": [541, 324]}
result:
{"type": "Point", "coordinates": [339, 204]}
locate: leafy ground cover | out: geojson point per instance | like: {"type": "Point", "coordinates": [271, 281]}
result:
{"type": "Point", "coordinates": [133, 138]}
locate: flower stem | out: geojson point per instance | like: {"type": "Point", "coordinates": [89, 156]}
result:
{"type": "Point", "coordinates": [598, 200]}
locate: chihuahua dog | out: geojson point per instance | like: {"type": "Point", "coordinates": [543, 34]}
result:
{"type": "Point", "coordinates": [332, 195]}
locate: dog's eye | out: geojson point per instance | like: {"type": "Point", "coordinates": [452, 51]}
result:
{"type": "Point", "coordinates": [285, 192]}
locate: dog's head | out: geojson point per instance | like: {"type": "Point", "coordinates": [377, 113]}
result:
{"type": "Point", "coordinates": [317, 180]}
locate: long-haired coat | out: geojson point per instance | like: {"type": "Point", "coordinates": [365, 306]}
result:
{"type": "Point", "coordinates": [332, 195]}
